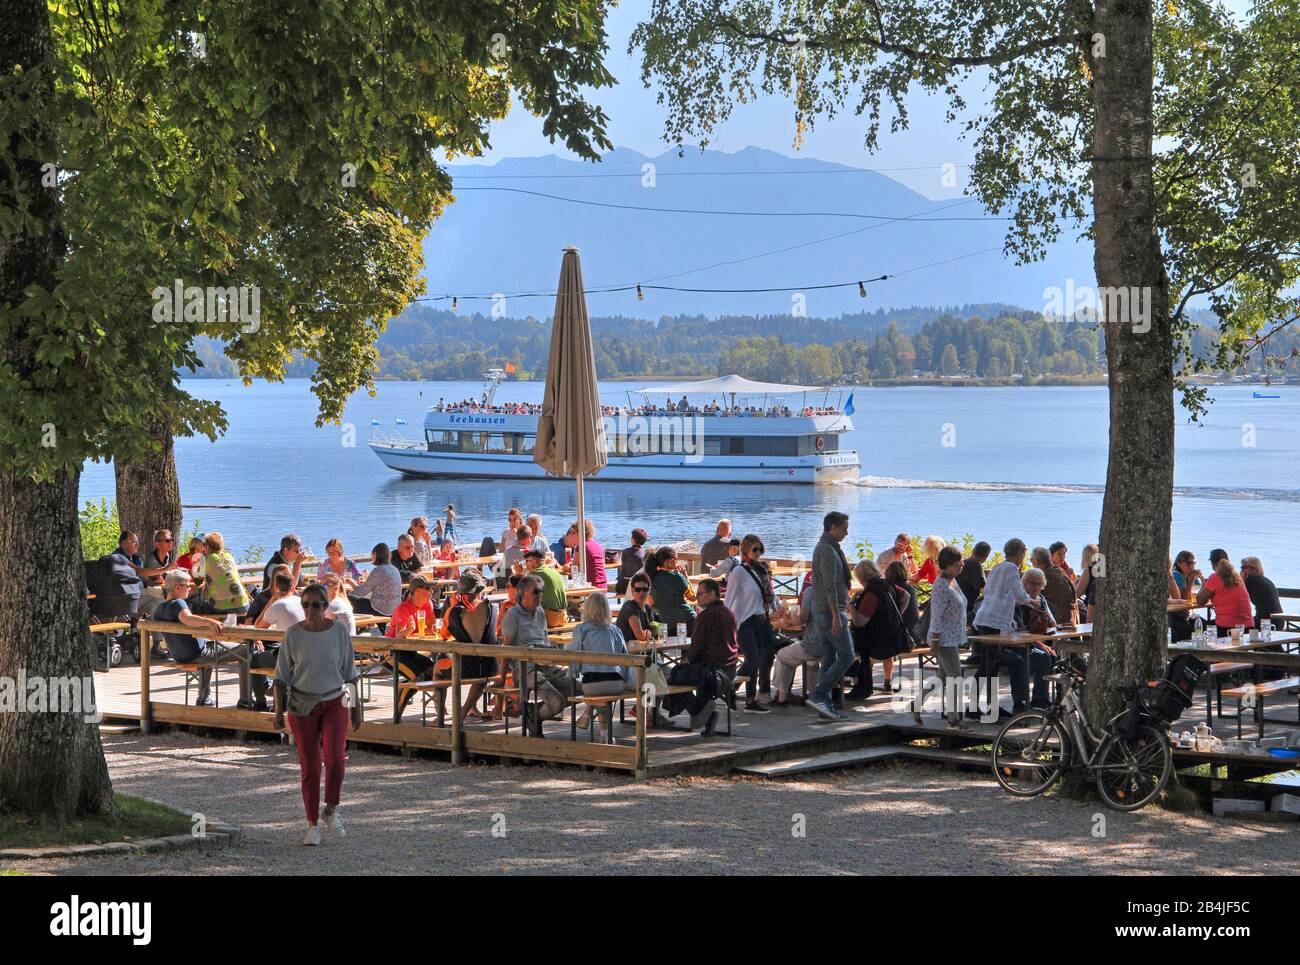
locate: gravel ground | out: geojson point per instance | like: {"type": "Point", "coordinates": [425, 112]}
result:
{"type": "Point", "coordinates": [409, 815]}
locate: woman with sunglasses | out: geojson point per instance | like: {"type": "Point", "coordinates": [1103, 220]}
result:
{"type": "Point", "coordinates": [312, 677]}
{"type": "Point", "coordinates": [636, 614]}
{"type": "Point", "coordinates": [751, 598]}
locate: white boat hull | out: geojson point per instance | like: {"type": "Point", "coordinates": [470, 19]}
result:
{"type": "Point", "coordinates": [807, 470]}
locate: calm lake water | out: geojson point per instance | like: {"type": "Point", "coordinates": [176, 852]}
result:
{"type": "Point", "coordinates": [1027, 462]}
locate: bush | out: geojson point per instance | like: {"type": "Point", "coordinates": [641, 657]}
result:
{"type": "Point", "coordinates": [99, 529]}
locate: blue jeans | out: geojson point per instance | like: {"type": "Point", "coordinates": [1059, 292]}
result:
{"type": "Point", "coordinates": [837, 652]}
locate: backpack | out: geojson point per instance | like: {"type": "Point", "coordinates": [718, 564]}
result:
{"type": "Point", "coordinates": [886, 634]}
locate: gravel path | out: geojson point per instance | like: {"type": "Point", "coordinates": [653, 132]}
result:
{"type": "Point", "coordinates": [407, 815]}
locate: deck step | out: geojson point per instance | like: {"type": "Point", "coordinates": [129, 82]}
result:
{"type": "Point", "coordinates": [821, 762]}
{"type": "Point", "coordinates": [865, 755]}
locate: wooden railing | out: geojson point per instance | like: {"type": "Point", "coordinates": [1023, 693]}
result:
{"type": "Point", "coordinates": [498, 744]}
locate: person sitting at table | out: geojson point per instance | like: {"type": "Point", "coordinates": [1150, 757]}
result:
{"type": "Point", "coordinates": [509, 535]}
{"type": "Point", "coordinates": [1262, 591]}
{"type": "Point", "coordinates": [631, 561]}
{"type": "Point", "coordinates": [193, 555]}
{"type": "Point", "coordinates": [405, 623]}
{"type": "Point", "coordinates": [447, 551]}
{"type": "Point", "coordinates": [1059, 589]}
{"type": "Point", "coordinates": [1090, 581]}
{"type": "Point", "coordinates": [405, 560]}
{"type": "Point", "coordinates": [729, 562]}
{"type": "Point", "coordinates": [709, 663]}
{"type": "Point", "coordinates": [1227, 591]}
{"type": "Point", "coordinates": [1035, 617]}
{"type": "Point", "coordinates": [223, 589]}
{"type": "Point", "coordinates": [670, 590]}
{"type": "Point", "coordinates": [1215, 556]}
{"type": "Point", "coordinates": [997, 614]}
{"type": "Point", "coordinates": [636, 614]}
{"type": "Point", "coordinates": [261, 598]}
{"type": "Point", "coordinates": [340, 607]}
{"type": "Point", "coordinates": [929, 568]}
{"type": "Point", "coordinates": [597, 634]}
{"type": "Point", "coordinates": [289, 554]}
{"type": "Point", "coordinates": [554, 603]}
{"type": "Point", "coordinates": [900, 551]}
{"type": "Point", "coordinates": [512, 559]}
{"type": "Point", "coordinates": [381, 591]}
{"type": "Point", "coordinates": [534, 522]}
{"type": "Point", "coordinates": [971, 578]}
{"type": "Point", "coordinates": [1185, 576]}
{"type": "Point", "coordinates": [714, 550]}
{"type": "Point", "coordinates": [524, 625]}
{"type": "Point", "coordinates": [1058, 552]}
{"type": "Point", "coordinates": [565, 549]}
{"type": "Point", "coordinates": [185, 648]}
{"type": "Point", "coordinates": [419, 533]}
{"type": "Point", "coordinates": [338, 564]}
{"type": "Point", "coordinates": [594, 557]}
{"type": "Point", "coordinates": [471, 619]}
{"type": "Point", "coordinates": [157, 561]}
{"type": "Point", "coordinates": [282, 611]}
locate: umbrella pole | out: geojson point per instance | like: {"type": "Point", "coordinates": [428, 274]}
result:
{"type": "Point", "coordinates": [582, 535]}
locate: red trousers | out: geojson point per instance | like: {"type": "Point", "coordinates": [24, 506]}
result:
{"type": "Point", "coordinates": [323, 732]}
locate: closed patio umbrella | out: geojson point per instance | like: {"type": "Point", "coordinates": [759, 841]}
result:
{"type": "Point", "coordinates": [570, 434]}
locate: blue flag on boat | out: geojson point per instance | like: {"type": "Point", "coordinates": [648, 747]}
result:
{"type": "Point", "coordinates": [848, 406]}
{"type": "Point", "coordinates": [374, 422]}
{"type": "Point", "coordinates": [399, 422]}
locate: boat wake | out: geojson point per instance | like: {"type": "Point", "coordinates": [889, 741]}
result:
{"type": "Point", "coordinates": [1213, 492]}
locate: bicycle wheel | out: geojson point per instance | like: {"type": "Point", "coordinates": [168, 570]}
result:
{"type": "Point", "coordinates": [1030, 753]}
{"type": "Point", "coordinates": [1131, 773]}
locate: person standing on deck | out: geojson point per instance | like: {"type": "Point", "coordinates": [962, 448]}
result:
{"type": "Point", "coordinates": [829, 603]}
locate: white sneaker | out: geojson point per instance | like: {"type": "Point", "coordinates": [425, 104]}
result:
{"type": "Point", "coordinates": [335, 824]}
{"type": "Point", "coordinates": [313, 836]}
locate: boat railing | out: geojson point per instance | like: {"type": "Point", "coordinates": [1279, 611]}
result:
{"type": "Point", "coordinates": [393, 440]}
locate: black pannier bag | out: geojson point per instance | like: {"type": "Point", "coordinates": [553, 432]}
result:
{"type": "Point", "coordinates": [1173, 695]}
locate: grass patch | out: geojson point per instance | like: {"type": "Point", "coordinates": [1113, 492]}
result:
{"type": "Point", "coordinates": [135, 820]}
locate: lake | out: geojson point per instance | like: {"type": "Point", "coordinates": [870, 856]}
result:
{"type": "Point", "coordinates": [993, 462]}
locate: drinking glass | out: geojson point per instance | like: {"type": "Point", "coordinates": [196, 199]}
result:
{"type": "Point", "coordinates": [1237, 631]}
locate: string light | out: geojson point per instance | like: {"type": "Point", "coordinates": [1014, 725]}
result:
{"type": "Point", "coordinates": [862, 290]}
{"type": "Point", "coordinates": [455, 303]}
{"type": "Point", "coordinates": [640, 295]}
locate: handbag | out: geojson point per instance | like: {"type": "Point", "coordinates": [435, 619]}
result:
{"type": "Point", "coordinates": [909, 641]}
{"type": "Point", "coordinates": [656, 680]}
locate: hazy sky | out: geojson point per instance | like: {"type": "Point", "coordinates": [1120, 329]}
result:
{"type": "Point", "coordinates": [636, 121]}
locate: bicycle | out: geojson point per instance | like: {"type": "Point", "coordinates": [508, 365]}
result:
{"type": "Point", "coordinates": [1130, 758]}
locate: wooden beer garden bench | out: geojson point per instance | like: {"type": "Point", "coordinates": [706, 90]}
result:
{"type": "Point", "coordinates": [1257, 693]}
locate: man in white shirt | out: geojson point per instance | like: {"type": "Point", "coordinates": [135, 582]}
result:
{"type": "Point", "coordinates": [901, 551]}
{"type": "Point", "coordinates": [997, 614]}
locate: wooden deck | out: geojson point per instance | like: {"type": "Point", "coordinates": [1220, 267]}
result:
{"type": "Point", "coordinates": [785, 733]}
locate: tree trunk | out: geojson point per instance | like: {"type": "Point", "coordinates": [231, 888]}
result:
{"type": "Point", "coordinates": [148, 491]}
{"type": "Point", "coordinates": [51, 764]}
{"type": "Point", "coordinates": [1129, 637]}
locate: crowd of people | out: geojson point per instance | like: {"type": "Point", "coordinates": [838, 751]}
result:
{"type": "Point", "coordinates": [743, 635]}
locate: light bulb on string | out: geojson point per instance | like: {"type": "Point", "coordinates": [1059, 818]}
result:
{"type": "Point", "coordinates": [862, 290]}
{"type": "Point", "coordinates": [640, 295]}
{"type": "Point", "coordinates": [455, 303]}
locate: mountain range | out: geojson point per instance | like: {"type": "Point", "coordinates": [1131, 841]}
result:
{"type": "Point", "coordinates": [510, 221]}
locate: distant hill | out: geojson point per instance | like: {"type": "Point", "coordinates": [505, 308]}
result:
{"type": "Point", "coordinates": [510, 240]}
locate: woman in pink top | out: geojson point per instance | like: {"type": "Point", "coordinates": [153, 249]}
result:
{"type": "Point", "coordinates": [595, 558]}
{"type": "Point", "coordinates": [1227, 590]}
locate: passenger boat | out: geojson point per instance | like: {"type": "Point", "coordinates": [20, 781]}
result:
{"type": "Point", "coordinates": [723, 430]}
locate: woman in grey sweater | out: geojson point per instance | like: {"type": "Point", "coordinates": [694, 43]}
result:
{"type": "Point", "coordinates": [315, 667]}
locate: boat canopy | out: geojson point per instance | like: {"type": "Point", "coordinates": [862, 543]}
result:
{"type": "Point", "coordinates": [728, 385]}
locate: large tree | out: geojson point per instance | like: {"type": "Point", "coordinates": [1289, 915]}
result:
{"type": "Point", "coordinates": [294, 155]}
{"type": "Point", "coordinates": [1170, 142]}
